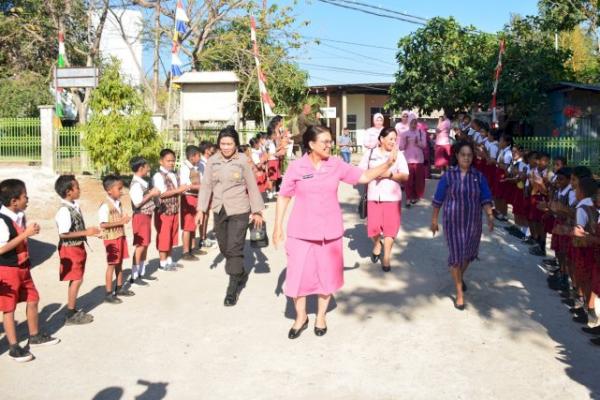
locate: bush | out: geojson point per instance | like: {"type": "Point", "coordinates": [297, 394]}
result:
{"type": "Point", "coordinates": [20, 96]}
{"type": "Point", "coordinates": [120, 127]}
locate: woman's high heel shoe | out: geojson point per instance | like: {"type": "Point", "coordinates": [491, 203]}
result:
{"type": "Point", "coordinates": [295, 333]}
{"type": "Point", "coordinates": [376, 257]}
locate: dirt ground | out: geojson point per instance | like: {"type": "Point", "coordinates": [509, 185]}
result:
{"type": "Point", "coordinates": [391, 336]}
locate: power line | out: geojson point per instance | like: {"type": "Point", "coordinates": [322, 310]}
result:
{"type": "Point", "coordinates": [346, 70]}
{"type": "Point", "coordinates": [379, 60]}
{"type": "Point", "coordinates": [333, 3]}
{"type": "Point", "coordinates": [383, 9]}
{"type": "Point", "coordinates": [372, 46]}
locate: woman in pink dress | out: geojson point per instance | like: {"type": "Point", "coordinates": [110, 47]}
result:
{"type": "Point", "coordinates": [384, 198]}
{"type": "Point", "coordinates": [412, 142]}
{"type": "Point", "coordinates": [404, 123]}
{"type": "Point", "coordinates": [371, 139]}
{"type": "Point", "coordinates": [314, 234]}
{"type": "Point", "coordinates": [442, 143]}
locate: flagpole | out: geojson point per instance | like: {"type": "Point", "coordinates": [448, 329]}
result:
{"type": "Point", "coordinates": [262, 104]}
{"type": "Point", "coordinates": [169, 104]}
{"type": "Point", "coordinates": [181, 122]}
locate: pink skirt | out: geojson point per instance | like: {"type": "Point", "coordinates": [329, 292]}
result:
{"type": "Point", "coordinates": [313, 267]}
{"type": "Point", "coordinates": [442, 155]}
{"type": "Point", "coordinates": [383, 217]}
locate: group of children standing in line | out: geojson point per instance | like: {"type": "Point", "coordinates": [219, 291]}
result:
{"type": "Point", "coordinates": [556, 200]}
{"type": "Point", "coordinates": [171, 200]}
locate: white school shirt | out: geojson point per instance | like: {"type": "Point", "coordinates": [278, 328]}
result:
{"type": "Point", "coordinates": [159, 182]}
{"type": "Point", "coordinates": [136, 190]}
{"type": "Point", "coordinates": [63, 216]}
{"type": "Point", "coordinates": [505, 156]}
{"type": "Point", "coordinates": [18, 218]}
{"type": "Point", "coordinates": [272, 150]}
{"type": "Point", "coordinates": [185, 171]}
{"type": "Point", "coordinates": [202, 166]}
{"type": "Point", "coordinates": [104, 212]}
{"type": "Point", "coordinates": [486, 143]}
{"type": "Point", "coordinates": [572, 199]}
{"type": "Point", "coordinates": [493, 150]}
{"type": "Point", "coordinates": [581, 217]}
{"type": "Point", "coordinates": [256, 153]}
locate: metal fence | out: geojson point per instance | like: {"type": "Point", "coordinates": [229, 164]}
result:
{"type": "Point", "coordinates": [578, 151]}
{"type": "Point", "coordinates": [70, 155]}
{"type": "Point", "coordinates": [20, 140]}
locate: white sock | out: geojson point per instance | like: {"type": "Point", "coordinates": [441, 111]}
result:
{"type": "Point", "coordinates": [134, 271]}
{"type": "Point", "coordinates": [142, 269]}
{"type": "Point", "coordinates": [164, 263]}
{"type": "Point", "coordinates": [525, 231]}
{"type": "Point", "coordinates": [169, 260]}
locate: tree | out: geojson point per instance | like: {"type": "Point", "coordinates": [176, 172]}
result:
{"type": "Point", "coordinates": [231, 49]}
{"type": "Point", "coordinates": [531, 66]}
{"type": "Point", "coordinates": [564, 15]}
{"type": "Point", "coordinates": [120, 127]}
{"type": "Point", "coordinates": [20, 97]}
{"type": "Point", "coordinates": [583, 61]}
{"type": "Point", "coordinates": [442, 66]}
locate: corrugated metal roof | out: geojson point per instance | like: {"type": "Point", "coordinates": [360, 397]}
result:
{"type": "Point", "coordinates": [573, 85]}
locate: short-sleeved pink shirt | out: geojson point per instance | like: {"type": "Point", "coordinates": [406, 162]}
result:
{"type": "Point", "coordinates": [316, 214]}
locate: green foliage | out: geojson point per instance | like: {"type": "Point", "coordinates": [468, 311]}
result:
{"type": "Point", "coordinates": [232, 50]}
{"type": "Point", "coordinates": [564, 15]}
{"type": "Point", "coordinates": [441, 66]}
{"type": "Point", "coordinates": [20, 97]}
{"type": "Point", "coordinates": [446, 66]}
{"type": "Point", "coordinates": [120, 127]}
{"type": "Point", "coordinates": [531, 67]}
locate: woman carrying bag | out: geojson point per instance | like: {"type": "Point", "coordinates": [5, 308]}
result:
{"type": "Point", "coordinates": [235, 200]}
{"type": "Point", "coordinates": [315, 264]}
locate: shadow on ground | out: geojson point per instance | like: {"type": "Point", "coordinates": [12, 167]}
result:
{"type": "Point", "coordinates": [153, 391]}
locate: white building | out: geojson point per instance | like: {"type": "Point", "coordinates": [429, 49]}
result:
{"type": "Point", "coordinates": [122, 39]}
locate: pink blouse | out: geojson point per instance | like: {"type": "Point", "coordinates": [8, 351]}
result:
{"type": "Point", "coordinates": [401, 128]}
{"type": "Point", "coordinates": [371, 139]}
{"type": "Point", "coordinates": [413, 143]}
{"type": "Point", "coordinates": [383, 189]}
{"type": "Point", "coordinates": [442, 137]}
{"type": "Point", "coordinates": [316, 214]}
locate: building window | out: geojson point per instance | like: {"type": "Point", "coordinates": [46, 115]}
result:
{"type": "Point", "coordinates": [351, 121]}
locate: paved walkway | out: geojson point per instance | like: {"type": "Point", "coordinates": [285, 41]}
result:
{"type": "Point", "coordinates": [392, 336]}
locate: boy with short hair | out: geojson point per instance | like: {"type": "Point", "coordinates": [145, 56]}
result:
{"type": "Point", "coordinates": [166, 220]}
{"type": "Point", "coordinates": [143, 204]}
{"type": "Point", "coordinates": [72, 235]}
{"type": "Point", "coordinates": [113, 221]}
{"type": "Point", "coordinates": [189, 175]}
{"type": "Point", "coordinates": [16, 283]}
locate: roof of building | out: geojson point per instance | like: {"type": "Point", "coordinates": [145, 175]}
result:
{"type": "Point", "coordinates": [573, 85]}
{"type": "Point", "coordinates": [208, 77]}
{"type": "Point", "coordinates": [366, 88]}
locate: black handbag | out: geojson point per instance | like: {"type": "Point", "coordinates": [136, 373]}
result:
{"type": "Point", "coordinates": [258, 236]}
{"type": "Point", "coordinates": [362, 204]}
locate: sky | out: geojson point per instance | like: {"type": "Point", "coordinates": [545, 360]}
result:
{"type": "Point", "coordinates": [370, 64]}
{"type": "Point", "coordinates": [374, 62]}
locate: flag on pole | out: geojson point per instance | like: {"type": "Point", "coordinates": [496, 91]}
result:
{"type": "Point", "coordinates": [180, 20]}
{"type": "Point", "coordinates": [60, 63]}
{"type": "Point", "coordinates": [498, 71]}
{"type": "Point", "coordinates": [262, 81]}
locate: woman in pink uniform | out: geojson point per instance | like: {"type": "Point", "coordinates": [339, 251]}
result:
{"type": "Point", "coordinates": [442, 143]}
{"type": "Point", "coordinates": [412, 142]}
{"type": "Point", "coordinates": [384, 198]}
{"type": "Point", "coordinates": [371, 139]}
{"type": "Point", "coordinates": [404, 124]}
{"type": "Point", "coordinates": [315, 230]}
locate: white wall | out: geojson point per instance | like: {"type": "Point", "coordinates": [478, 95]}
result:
{"type": "Point", "coordinates": [113, 44]}
{"type": "Point", "coordinates": [356, 105]}
{"type": "Point", "coordinates": [210, 102]}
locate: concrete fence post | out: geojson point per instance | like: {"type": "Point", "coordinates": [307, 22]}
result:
{"type": "Point", "coordinates": [48, 141]}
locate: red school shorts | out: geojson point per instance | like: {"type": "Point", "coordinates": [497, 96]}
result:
{"type": "Point", "coordinates": [167, 228]}
{"type": "Point", "coordinates": [116, 250]}
{"type": "Point", "coordinates": [188, 212]}
{"type": "Point", "coordinates": [16, 286]}
{"type": "Point", "coordinates": [273, 170]}
{"type": "Point", "coordinates": [535, 214]}
{"type": "Point", "coordinates": [142, 229]}
{"type": "Point", "coordinates": [72, 262]}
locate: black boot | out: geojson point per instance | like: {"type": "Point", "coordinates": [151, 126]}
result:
{"type": "Point", "coordinates": [231, 296]}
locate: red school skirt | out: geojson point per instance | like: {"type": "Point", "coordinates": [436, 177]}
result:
{"type": "Point", "coordinates": [273, 170]}
{"type": "Point", "coordinates": [520, 203]}
{"type": "Point", "coordinates": [535, 214]}
{"type": "Point", "coordinates": [583, 258]}
{"type": "Point", "coordinates": [596, 271]}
